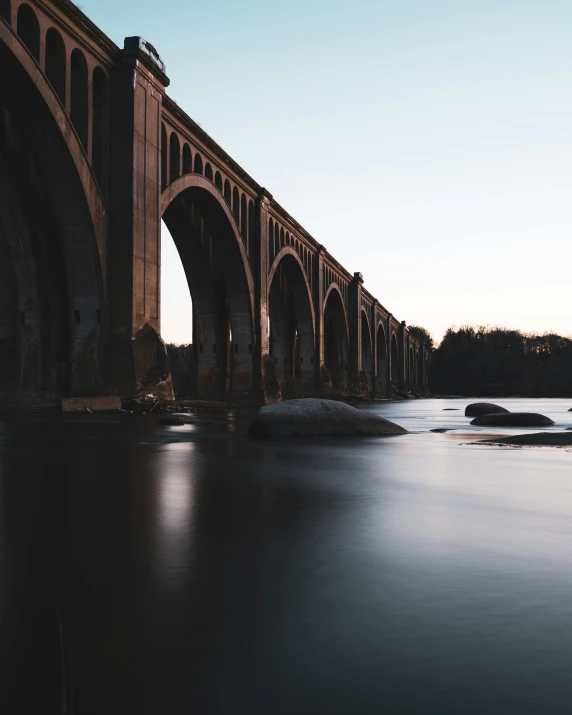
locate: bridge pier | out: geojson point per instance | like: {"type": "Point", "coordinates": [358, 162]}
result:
{"type": "Point", "coordinates": [319, 308]}
{"type": "Point", "coordinates": [137, 355]}
{"type": "Point", "coordinates": [354, 326]}
{"type": "Point", "coordinates": [261, 270]}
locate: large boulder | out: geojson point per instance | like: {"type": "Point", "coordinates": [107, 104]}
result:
{"type": "Point", "coordinates": [310, 416]}
{"type": "Point", "coordinates": [482, 408]}
{"type": "Point", "coordinates": [513, 419]}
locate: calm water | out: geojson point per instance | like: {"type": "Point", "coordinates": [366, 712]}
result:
{"type": "Point", "coordinates": [152, 570]}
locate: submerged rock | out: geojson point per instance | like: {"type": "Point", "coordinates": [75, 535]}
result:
{"type": "Point", "coordinates": [176, 418]}
{"type": "Point", "coordinates": [310, 416]}
{"type": "Point", "coordinates": [541, 439]}
{"type": "Point", "coordinates": [483, 408]}
{"type": "Point", "coordinates": [513, 419]}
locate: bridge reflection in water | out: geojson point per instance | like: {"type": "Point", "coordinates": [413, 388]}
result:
{"type": "Point", "coordinates": [220, 576]}
{"type": "Point", "coordinates": [93, 155]}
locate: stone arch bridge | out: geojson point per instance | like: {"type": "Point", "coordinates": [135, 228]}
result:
{"type": "Point", "coordinates": [93, 154]}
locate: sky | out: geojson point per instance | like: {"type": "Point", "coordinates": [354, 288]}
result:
{"type": "Point", "coordinates": [426, 143]}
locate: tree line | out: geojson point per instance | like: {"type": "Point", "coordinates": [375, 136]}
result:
{"type": "Point", "coordinates": [484, 361]}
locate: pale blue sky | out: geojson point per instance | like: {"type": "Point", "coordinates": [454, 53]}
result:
{"type": "Point", "coordinates": [425, 143]}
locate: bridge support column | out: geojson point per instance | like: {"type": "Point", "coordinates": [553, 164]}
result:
{"type": "Point", "coordinates": [137, 355]}
{"type": "Point", "coordinates": [402, 355]}
{"type": "Point", "coordinates": [388, 388]}
{"type": "Point", "coordinates": [354, 324]}
{"type": "Point", "coordinates": [424, 357]}
{"type": "Point", "coordinates": [374, 366]}
{"type": "Point", "coordinates": [261, 268]}
{"type": "Point", "coordinates": [318, 295]}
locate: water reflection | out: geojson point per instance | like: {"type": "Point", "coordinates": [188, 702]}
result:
{"type": "Point", "coordinates": [174, 503]}
{"type": "Point", "coordinates": [403, 575]}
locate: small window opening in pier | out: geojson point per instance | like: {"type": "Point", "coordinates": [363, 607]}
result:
{"type": "Point", "coordinates": [214, 348]}
{"type": "Point", "coordinates": [23, 319]}
{"type": "Point", "coordinates": [76, 317]}
{"type": "Point", "coordinates": [98, 313]}
{"type": "Point", "coordinates": [250, 349]}
{"type": "Point", "coordinates": [236, 347]}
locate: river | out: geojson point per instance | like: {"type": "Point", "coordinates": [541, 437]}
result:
{"type": "Point", "coordinates": [183, 570]}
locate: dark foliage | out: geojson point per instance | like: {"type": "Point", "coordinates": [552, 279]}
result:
{"type": "Point", "coordinates": [500, 362]}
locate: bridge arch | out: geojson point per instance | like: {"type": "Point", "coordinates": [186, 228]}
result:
{"type": "Point", "coordinates": [174, 157]}
{"type": "Point", "coordinates": [366, 349]}
{"type": "Point", "coordinates": [187, 159]}
{"type": "Point", "coordinates": [291, 322]}
{"type": "Point", "coordinates": [56, 62]}
{"type": "Point", "coordinates": [381, 359]}
{"type": "Point", "coordinates": [220, 282]}
{"type": "Point", "coordinates": [336, 337]}
{"type": "Point", "coordinates": [395, 367]}
{"type": "Point", "coordinates": [79, 96]}
{"type": "Point", "coordinates": [100, 129]}
{"type": "Point", "coordinates": [53, 228]}
{"type": "Point", "coordinates": [411, 365]}
{"type": "Point", "coordinates": [29, 30]}
{"type": "Point", "coordinates": [6, 10]}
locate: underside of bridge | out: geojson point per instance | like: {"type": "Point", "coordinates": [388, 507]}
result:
{"type": "Point", "coordinates": [50, 312]}
{"type": "Point", "coordinates": [395, 371]}
{"type": "Point", "coordinates": [290, 324]}
{"type": "Point", "coordinates": [223, 337]}
{"type": "Point", "coordinates": [381, 357]}
{"type": "Point", "coordinates": [366, 354]}
{"type": "Point", "coordinates": [336, 340]}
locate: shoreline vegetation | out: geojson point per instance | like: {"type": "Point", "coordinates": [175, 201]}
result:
{"type": "Point", "coordinates": [498, 362]}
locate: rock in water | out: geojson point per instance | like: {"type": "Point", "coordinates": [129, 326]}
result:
{"type": "Point", "coordinates": [176, 418]}
{"type": "Point", "coordinates": [536, 439]}
{"type": "Point", "coordinates": [310, 416]}
{"type": "Point", "coordinates": [513, 419]}
{"type": "Point", "coordinates": [483, 408]}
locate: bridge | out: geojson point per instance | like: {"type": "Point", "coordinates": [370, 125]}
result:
{"type": "Point", "coordinates": [93, 155]}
